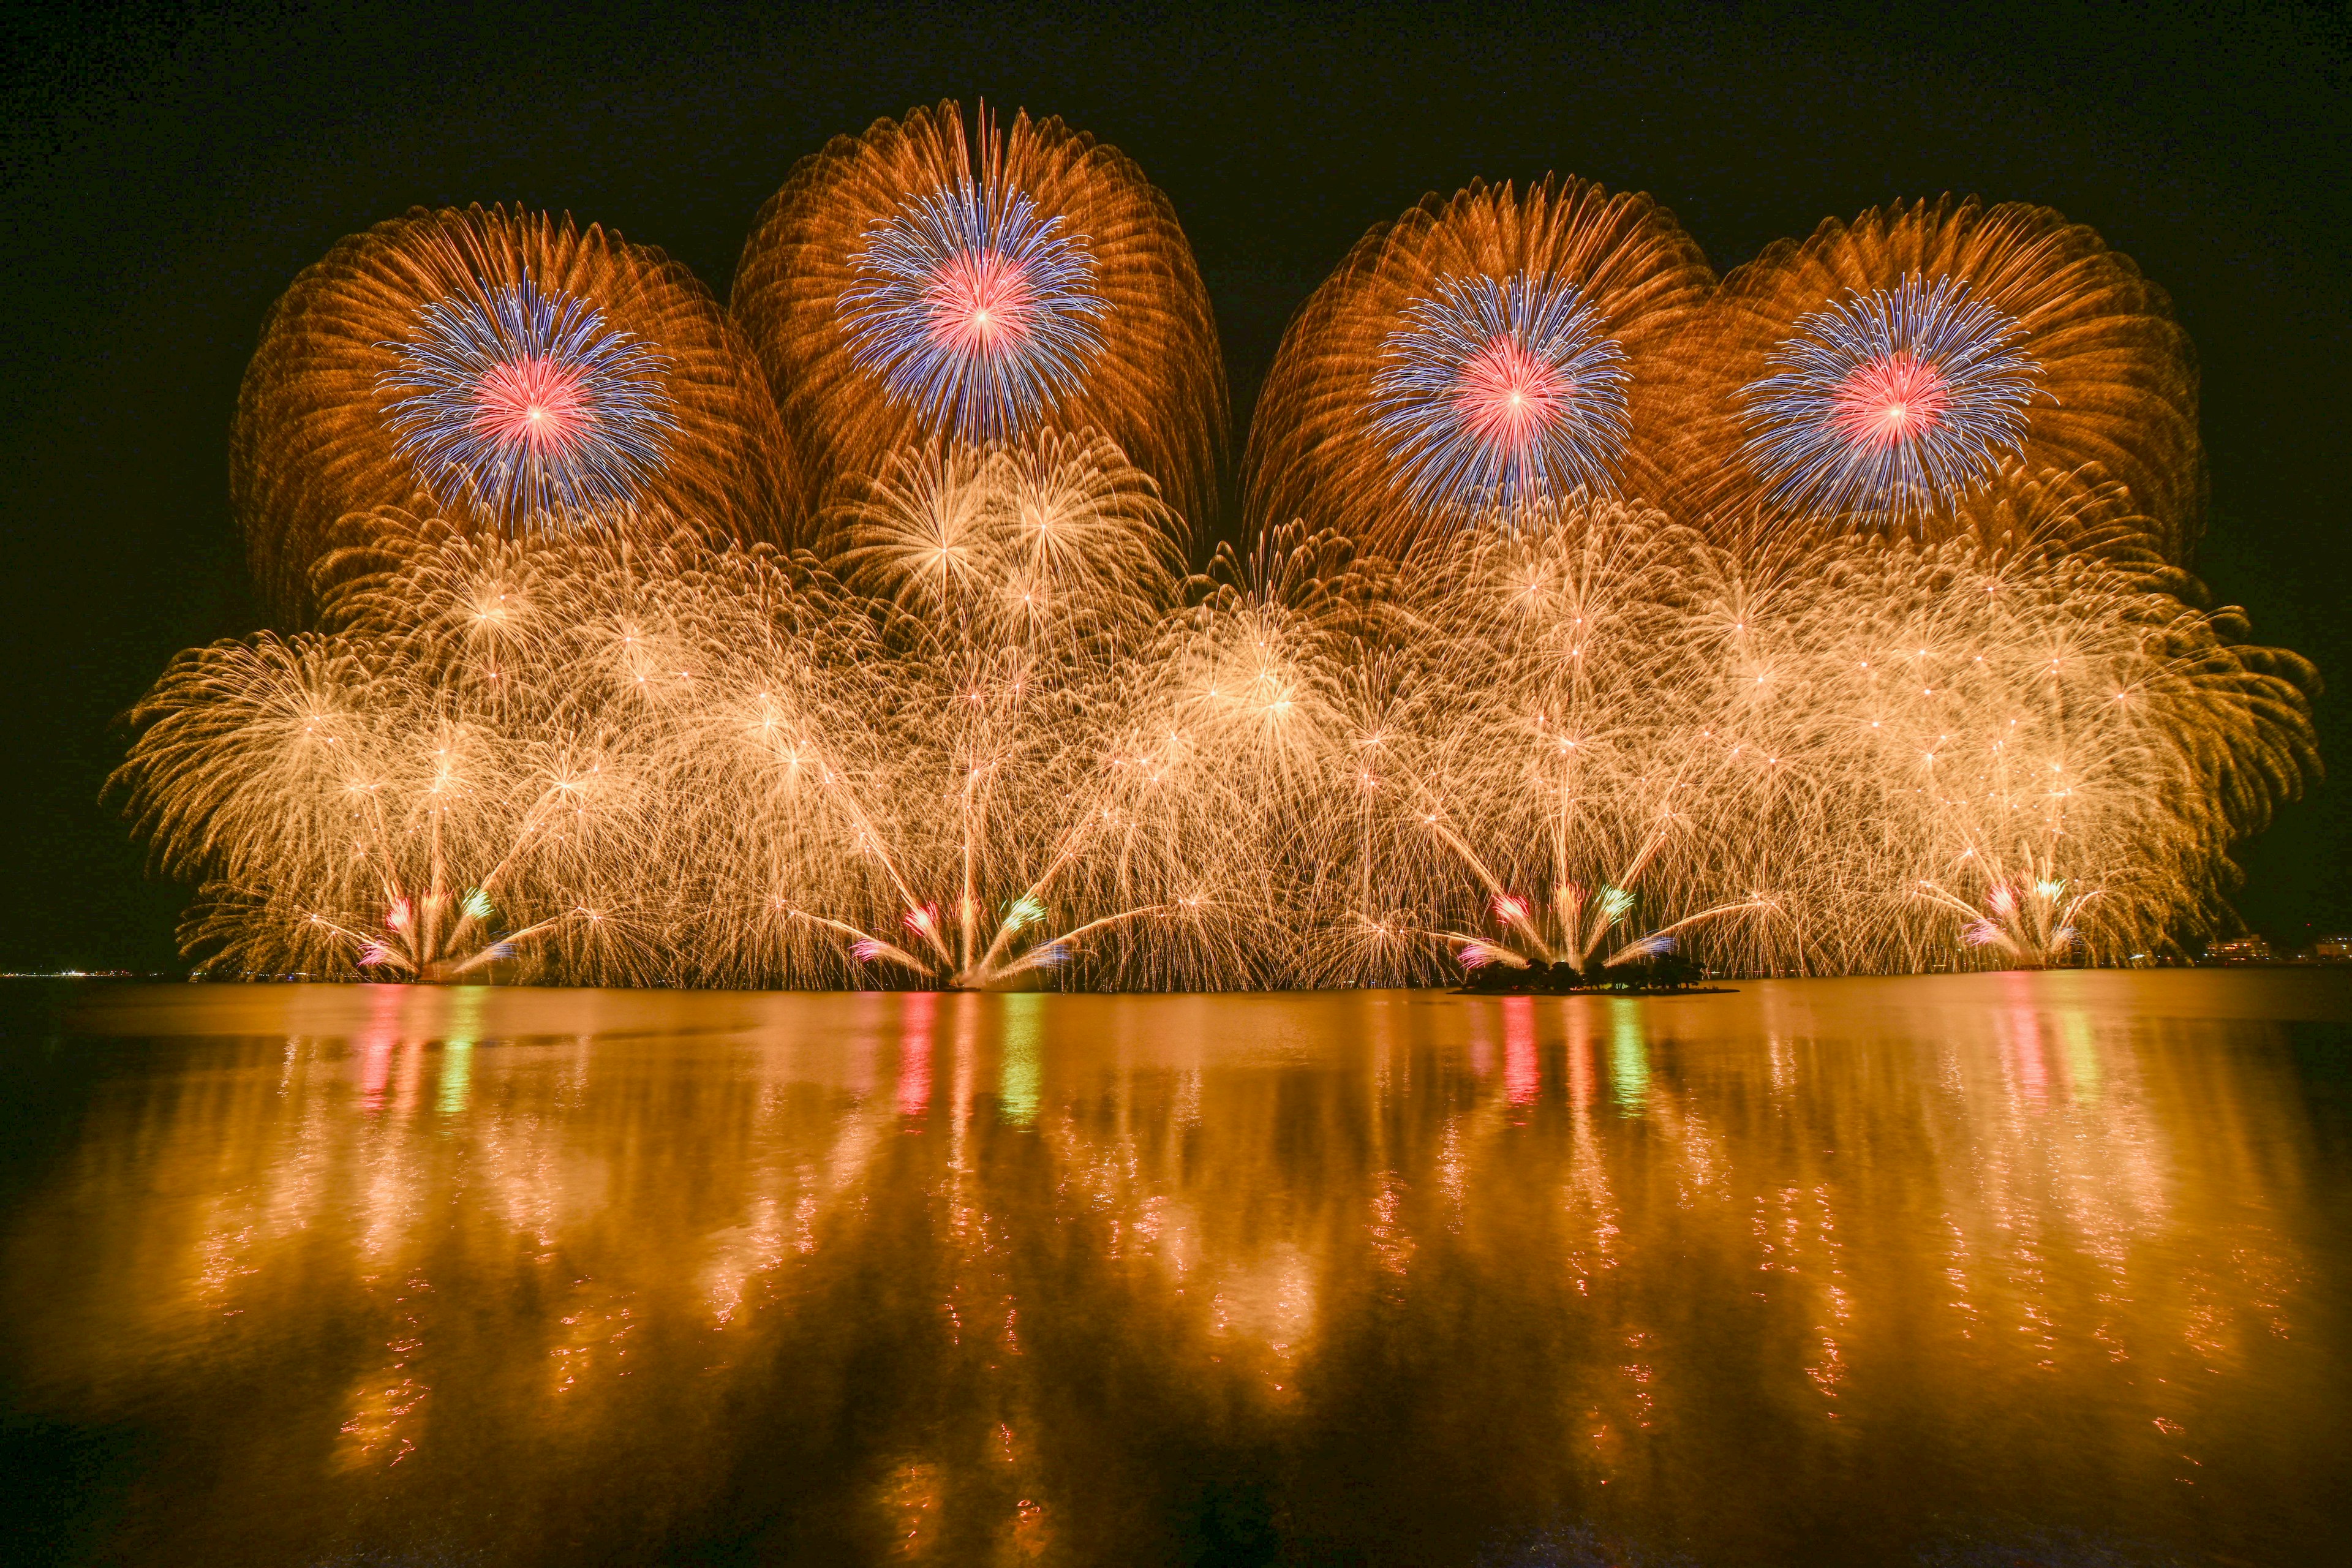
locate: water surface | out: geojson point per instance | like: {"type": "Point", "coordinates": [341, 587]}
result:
{"type": "Point", "coordinates": [1997, 1268]}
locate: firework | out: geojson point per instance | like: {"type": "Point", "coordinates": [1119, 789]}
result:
{"type": "Point", "coordinates": [1492, 350]}
{"type": "Point", "coordinates": [974, 310]}
{"type": "Point", "coordinates": [1880, 407]}
{"type": "Point", "coordinates": [1000, 747]}
{"type": "Point", "coordinates": [985, 785]}
{"type": "Point", "coordinates": [1585, 736]}
{"type": "Point", "coordinates": [918, 283]}
{"type": "Point", "coordinates": [347, 815]}
{"type": "Point", "coordinates": [1497, 393]}
{"type": "Point", "coordinates": [1555, 758]}
{"type": "Point", "coordinates": [1901, 671]}
{"type": "Point", "coordinates": [526, 407]}
{"type": "Point", "coordinates": [519, 373]}
{"type": "Point", "coordinates": [1882, 372]}
{"type": "Point", "coordinates": [1008, 744]}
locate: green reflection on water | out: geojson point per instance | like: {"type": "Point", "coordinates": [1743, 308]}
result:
{"type": "Point", "coordinates": [462, 1023]}
{"type": "Point", "coordinates": [2082, 1055]}
{"type": "Point", "coordinates": [1016, 1094]}
{"type": "Point", "coordinates": [1629, 1056]}
{"type": "Point", "coordinates": [457, 1067]}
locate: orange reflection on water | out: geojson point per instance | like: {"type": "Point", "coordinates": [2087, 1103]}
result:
{"type": "Point", "coordinates": [974, 1278]}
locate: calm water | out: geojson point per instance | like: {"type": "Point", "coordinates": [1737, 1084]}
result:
{"type": "Point", "coordinates": [1983, 1270]}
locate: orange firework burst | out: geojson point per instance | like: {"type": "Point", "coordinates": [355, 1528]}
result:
{"type": "Point", "coordinates": [524, 374]}
{"type": "Point", "coordinates": [1883, 372]}
{"type": "Point", "coordinates": [908, 284]}
{"type": "Point", "coordinates": [1493, 350]}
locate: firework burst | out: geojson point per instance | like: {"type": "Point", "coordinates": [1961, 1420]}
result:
{"type": "Point", "coordinates": [1009, 746]}
{"type": "Point", "coordinates": [1496, 349]}
{"type": "Point", "coordinates": [1903, 672]}
{"type": "Point", "coordinates": [1001, 748]}
{"type": "Point", "coordinates": [1498, 393]}
{"type": "Point", "coordinates": [1556, 753]}
{"type": "Point", "coordinates": [918, 282]}
{"type": "Point", "coordinates": [1584, 736]}
{"type": "Point", "coordinates": [973, 310]}
{"type": "Point", "coordinates": [1885, 407]}
{"type": "Point", "coordinates": [1874, 374]}
{"type": "Point", "coordinates": [1008, 785]}
{"type": "Point", "coordinates": [527, 407]}
{"type": "Point", "coordinates": [349, 813]}
{"type": "Point", "coordinates": [517, 372]}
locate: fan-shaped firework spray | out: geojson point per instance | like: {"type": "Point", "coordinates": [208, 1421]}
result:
{"type": "Point", "coordinates": [1882, 371]}
{"type": "Point", "coordinates": [1493, 350]}
{"type": "Point", "coordinates": [521, 374]}
{"type": "Point", "coordinates": [1000, 747]}
{"type": "Point", "coordinates": [997, 747]}
{"type": "Point", "coordinates": [918, 282]}
{"type": "Point", "coordinates": [1589, 737]}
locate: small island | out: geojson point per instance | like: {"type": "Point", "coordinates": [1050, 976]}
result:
{"type": "Point", "coordinates": [1664, 974]}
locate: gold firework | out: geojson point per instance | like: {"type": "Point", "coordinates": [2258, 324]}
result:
{"type": "Point", "coordinates": [1491, 349]}
{"type": "Point", "coordinates": [908, 284]}
{"type": "Point", "coordinates": [1882, 371]}
{"type": "Point", "coordinates": [521, 373]}
{"type": "Point", "coordinates": [1590, 734]}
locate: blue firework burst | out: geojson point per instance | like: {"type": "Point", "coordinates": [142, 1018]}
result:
{"type": "Point", "coordinates": [1495, 392]}
{"type": "Point", "coordinates": [973, 308]}
{"type": "Point", "coordinates": [528, 405]}
{"type": "Point", "coordinates": [1886, 405]}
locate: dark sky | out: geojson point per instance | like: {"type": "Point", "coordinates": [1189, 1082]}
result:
{"type": "Point", "coordinates": [168, 171]}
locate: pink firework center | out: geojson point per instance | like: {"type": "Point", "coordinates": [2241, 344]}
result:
{"type": "Point", "coordinates": [537, 406]}
{"type": "Point", "coordinates": [1891, 399]}
{"type": "Point", "coordinates": [981, 303]}
{"type": "Point", "coordinates": [1509, 397]}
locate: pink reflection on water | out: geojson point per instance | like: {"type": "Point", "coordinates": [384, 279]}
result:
{"type": "Point", "coordinates": [405, 1091]}
{"type": "Point", "coordinates": [2022, 1035]}
{"type": "Point", "coordinates": [377, 1043]}
{"type": "Point", "coordinates": [916, 1015]}
{"type": "Point", "coordinates": [1522, 1073]}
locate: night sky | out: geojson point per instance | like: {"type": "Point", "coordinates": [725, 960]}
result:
{"type": "Point", "coordinates": [169, 171]}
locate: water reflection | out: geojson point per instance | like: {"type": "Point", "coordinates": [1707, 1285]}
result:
{"type": "Point", "coordinates": [1816, 1272]}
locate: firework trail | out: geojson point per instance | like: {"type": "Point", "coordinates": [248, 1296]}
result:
{"type": "Point", "coordinates": [350, 810]}
{"type": "Point", "coordinates": [1494, 348]}
{"type": "Point", "coordinates": [1585, 736]}
{"type": "Point", "coordinates": [1833, 621]}
{"type": "Point", "coordinates": [1882, 371]}
{"type": "Point", "coordinates": [921, 282]}
{"type": "Point", "coordinates": [517, 372]}
{"type": "Point", "coordinates": [986, 781]}
{"type": "Point", "coordinates": [1008, 744]}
